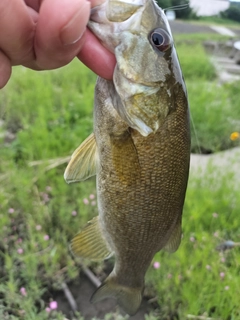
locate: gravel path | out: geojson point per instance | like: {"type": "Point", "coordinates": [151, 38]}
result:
{"type": "Point", "coordinates": [224, 31]}
{"type": "Point", "coordinates": [179, 26]}
{"type": "Point", "coordinates": [225, 162]}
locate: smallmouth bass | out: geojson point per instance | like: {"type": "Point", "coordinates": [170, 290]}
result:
{"type": "Point", "coordinates": [139, 150]}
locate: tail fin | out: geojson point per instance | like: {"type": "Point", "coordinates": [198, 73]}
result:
{"type": "Point", "coordinates": [129, 299]}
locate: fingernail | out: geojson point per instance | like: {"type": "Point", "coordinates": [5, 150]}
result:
{"type": "Point", "coordinates": [75, 28]}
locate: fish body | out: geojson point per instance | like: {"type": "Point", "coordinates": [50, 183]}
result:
{"type": "Point", "coordinates": [139, 150]}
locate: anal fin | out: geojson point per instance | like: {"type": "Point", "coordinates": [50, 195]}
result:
{"type": "Point", "coordinates": [89, 243]}
{"type": "Point", "coordinates": [175, 238]}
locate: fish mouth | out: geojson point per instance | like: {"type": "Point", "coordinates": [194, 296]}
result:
{"type": "Point", "coordinates": [123, 27]}
{"type": "Point", "coordinates": [109, 19]}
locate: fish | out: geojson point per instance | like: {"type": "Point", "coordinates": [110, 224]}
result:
{"type": "Point", "coordinates": [139, 149]}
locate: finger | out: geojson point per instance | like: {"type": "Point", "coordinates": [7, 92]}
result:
{"type": "Point", "coordinates": [5, 69]}
{"type": "Point", "coordinates": [60, 27]}
{"type": "Point", "coordinates": [17, 31]}
{"type": "Point", "coordinates": [95, 3]}
{"type": "Point", "coordinates": [97, 57]}
{"type": "Point", "coordinates": [34, 16]}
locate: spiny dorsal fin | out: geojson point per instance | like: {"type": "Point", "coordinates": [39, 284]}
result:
{"type": "Point", "coordinates": [128, 298]}
{"type": "Point", "coordinates": [89, 243]}
{"type": "Point", "coordinates": [83, 161]}
{"type": "Point", "coordinates": [175, 239]}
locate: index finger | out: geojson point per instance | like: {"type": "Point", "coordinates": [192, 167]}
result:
{"type": "Point", "coordinates": [15, 23]}
{"type": "Point", "coordinates": [94, 55]}
{"type": "Point", "coordinates": [61, 25]}
{"type": "Point", "coordinates": [95, 3]}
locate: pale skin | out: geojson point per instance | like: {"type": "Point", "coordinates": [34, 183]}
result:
{"type": "Point", "coordinates": [48, 34]}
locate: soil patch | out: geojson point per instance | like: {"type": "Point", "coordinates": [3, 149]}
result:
{"type": "Point", "coordinates": [82, 290]}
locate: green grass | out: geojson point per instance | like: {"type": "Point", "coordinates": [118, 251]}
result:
{"type": "Point", "coordinates": [211, 20]}
{"type": "Point", "coordinates": [194, 38]}
{"type": "Point", "coordinates": [215, 114]}
{"type": "Point", "coordinates": [195, 64]}
{"type": "Point", "coordinates": [51, 114]}
{"type": "Point", "coordinates": [214, 108]}
{"type": "Point", "coordinates": [198, 279]}
{"type": "Point", "coordinates": [54, 108]}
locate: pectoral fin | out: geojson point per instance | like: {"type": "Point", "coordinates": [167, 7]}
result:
{"type": "Point", "coordinates": [83, 161]}
{"type": "Point", "coordinates": [89, 243]}
{"type": "Point", "coordinates": [175, 239]}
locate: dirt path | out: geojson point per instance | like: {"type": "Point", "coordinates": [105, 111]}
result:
{"type": "Point", "coordinates": [179, 26]}
{"type": "Point", "coordinates": [82, 291]}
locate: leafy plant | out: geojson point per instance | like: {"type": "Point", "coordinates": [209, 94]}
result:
{"type": "Point", "coordinates": [50, 114]}
{"type": "Point", "coordinates": [232, 13]}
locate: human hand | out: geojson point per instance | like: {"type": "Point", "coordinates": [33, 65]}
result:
{"type": "Point", "coordinates": [48, 34]}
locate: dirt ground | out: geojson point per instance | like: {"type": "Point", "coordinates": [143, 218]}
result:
{"type": "Point", "coordinates": [82, 291]}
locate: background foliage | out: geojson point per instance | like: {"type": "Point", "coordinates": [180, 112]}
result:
{"type": "Point", "coordinates": [232, 13]}
{"type": "Point", "coordinates": [44, 117]}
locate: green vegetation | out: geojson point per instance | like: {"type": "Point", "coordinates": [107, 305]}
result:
{"type": "Point", "coordinates": [197, 38]}
{"type": "Point", "coordinates": [49, 114]}
{"type": "Point", "coordinates": [217, 20]}
{"type": "Point", "coordinates": [198, 279]}
{"type": "Point", "coordinates": [202, 69]}
{"type": "Point", "coordinates": [215, 111]}
{"type": "Point", "coordinates": [232, 13]}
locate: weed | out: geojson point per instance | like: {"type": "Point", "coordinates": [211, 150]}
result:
{"type": "Point", "coordinates": [50, 114]}
{"type": "Point", "coordinates": [198, 279]}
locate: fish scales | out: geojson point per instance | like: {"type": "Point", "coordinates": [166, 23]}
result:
{"type": "Point", "coordinates": [139, 151]}
{"type": "Point", "coordinates": [141, 196]}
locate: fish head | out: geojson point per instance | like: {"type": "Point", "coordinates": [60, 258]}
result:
{"type": "Point", "coordinates": [147, 68]}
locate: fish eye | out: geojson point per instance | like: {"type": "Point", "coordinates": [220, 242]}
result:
{"type": "Point", "coordinates": [160, 39]}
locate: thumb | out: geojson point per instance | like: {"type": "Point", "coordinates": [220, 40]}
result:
{"type": "Point", "coordinates": [60, 27]}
